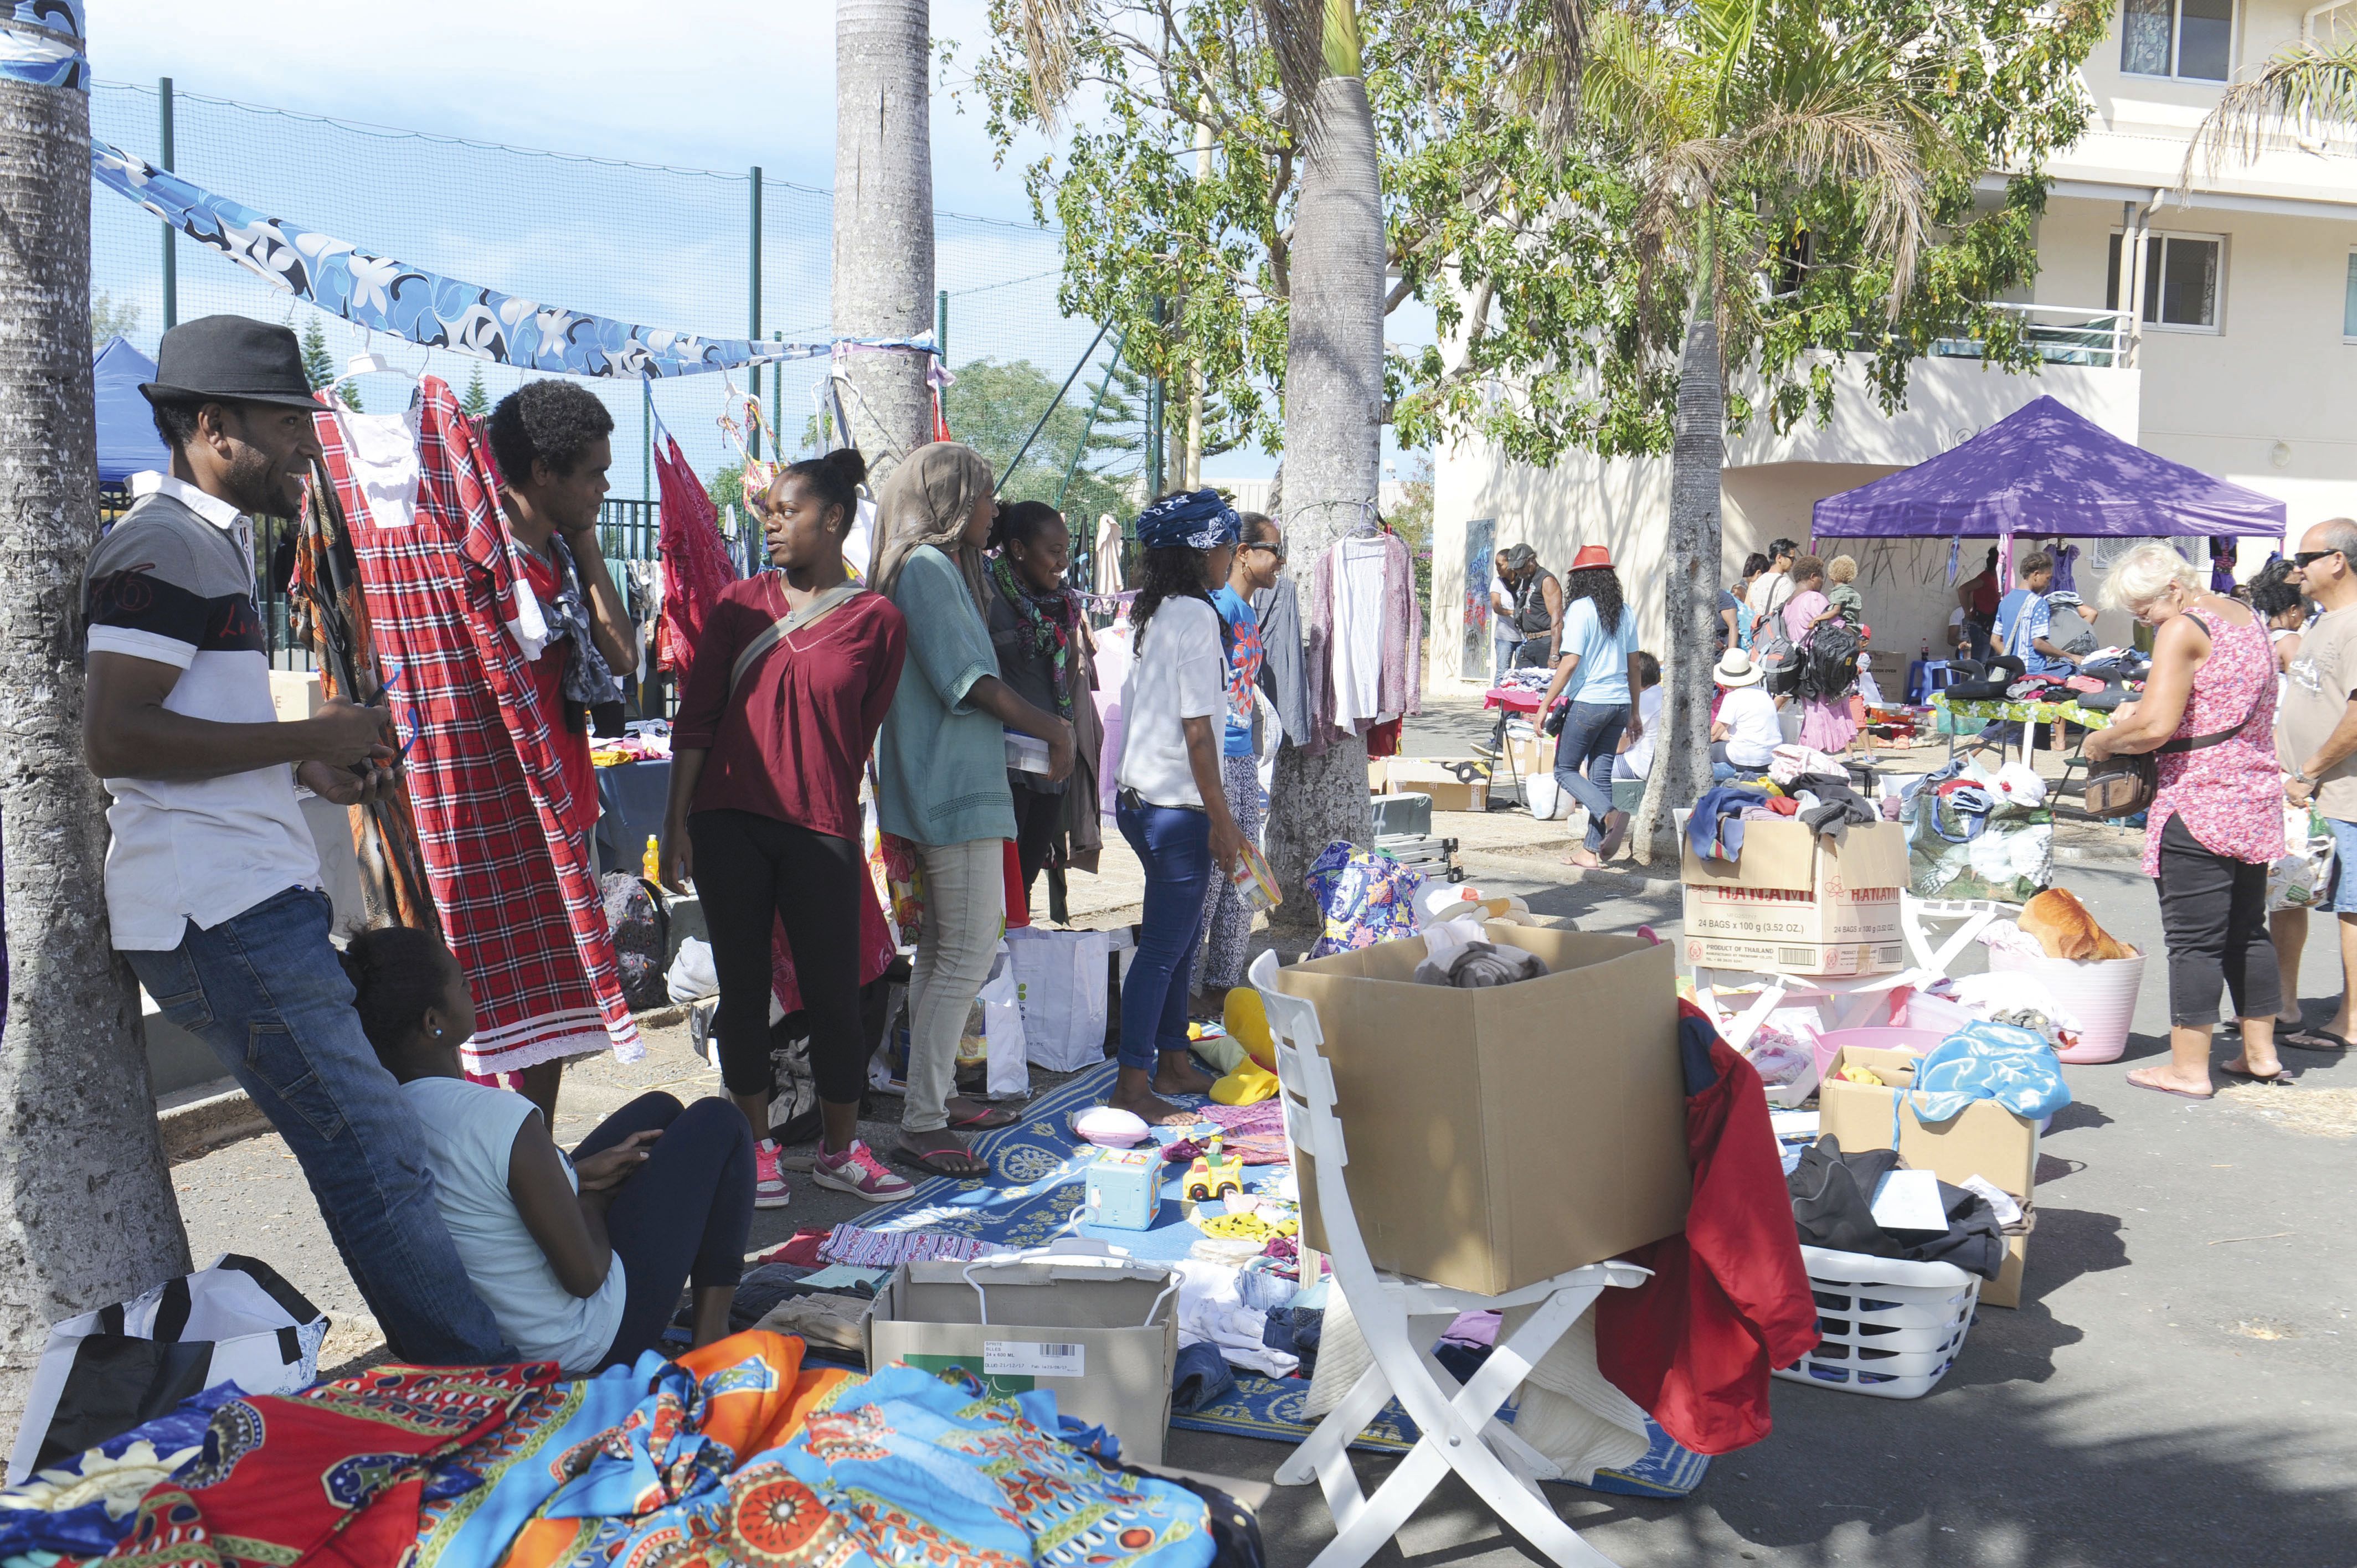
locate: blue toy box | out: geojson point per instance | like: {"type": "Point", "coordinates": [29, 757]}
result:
{"type": "Point", "coordinates": [1124, 1188]}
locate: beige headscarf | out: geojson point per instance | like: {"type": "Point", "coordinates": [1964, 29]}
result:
{"type": "Point", "coordinates": [928, 500]}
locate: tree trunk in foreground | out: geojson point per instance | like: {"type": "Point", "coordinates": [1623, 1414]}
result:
{"type": "Point", "coordinates": [1681, 770]}
{"type": "Point", "coordinates": [1334, 441]}
{"type": "Point", "coordinates": [884, 221]}
{"type": "Point", "coordinates": [87, 1215]}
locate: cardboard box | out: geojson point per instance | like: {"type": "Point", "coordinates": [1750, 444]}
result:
{"type": "Point", "coordinates": [1436, 777]}
{"type": "Point", "coordinates": [1798, 904]}
{"type": "Point", "coordinates": [1500, 1136]}
{"type": "Point", "coordinates": [1099, 1332]}
{"type": "Point", "coordinates": [1984, 1140]}
{"type": "Point", "coordinates": [1533, 756]}
{"type": "Point", "coordinates": [294, 694]}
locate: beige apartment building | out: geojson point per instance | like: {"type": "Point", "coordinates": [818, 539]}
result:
{"type": "Point", "coordinates": [2238, 355]}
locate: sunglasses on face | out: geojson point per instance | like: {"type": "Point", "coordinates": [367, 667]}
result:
{"type": "Point", "coordinates": [2308, 558]}
{"type": "Point", "coordinates": [1276, 550]}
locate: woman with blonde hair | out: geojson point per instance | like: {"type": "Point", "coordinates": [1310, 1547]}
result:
{"type": "Point", "coordinates": [2207, 716]}
{"type": "Point", "coordinates": [941, 775]}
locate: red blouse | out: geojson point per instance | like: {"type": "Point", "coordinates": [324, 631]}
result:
{"type": "Point", "coordinates": [790, 743]}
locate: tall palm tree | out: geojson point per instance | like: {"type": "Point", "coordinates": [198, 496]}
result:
{"type": "Point", "coordinates": [1725, 109]}
{"type": "Point", "coordinates": [87, 1215]}
{"type": "Point", "coordinates": [883, 275]}
{"type": "Point", "coordinates": [2306, 90]}
{"type": "Point", "coordinates": [1334, 404]}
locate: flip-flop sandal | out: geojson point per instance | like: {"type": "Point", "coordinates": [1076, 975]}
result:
{"type": "Point", "coordinates": [2281, 1075]}
{"type": "Point", "coordinates": [2312, 1040]}
{"type": "Point", "coordinates": [2162, 1089]}
{"type": "Point", "coordinates": [989, 1119]}
{"type": "Point", "coordinates": [930, 1161]}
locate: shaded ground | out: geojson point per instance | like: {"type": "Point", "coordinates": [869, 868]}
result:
{"type": "Point", "coordinates": [2179, 1386]}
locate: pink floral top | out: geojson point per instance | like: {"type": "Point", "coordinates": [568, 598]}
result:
{"type": "Point", "coordinates": [2231, 794]}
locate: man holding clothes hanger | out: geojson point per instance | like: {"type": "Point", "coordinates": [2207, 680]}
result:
{"type": "Point", "coordinates": [212, 881]}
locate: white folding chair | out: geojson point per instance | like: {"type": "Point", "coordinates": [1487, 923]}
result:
{"type": "Point", "coordinates": [1402, 1319]}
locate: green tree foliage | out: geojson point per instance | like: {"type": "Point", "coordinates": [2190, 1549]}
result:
{"type": "Point", "coordinates": [110, 320]}
{"type": "Point", "coordinates": [319, 365]}
{"type": "Point", "coordinates": [477, 404]}
{"type": "Point", "coordinates": [993, 406]}
{"type": "Point", "coordinates": [1512, 215]}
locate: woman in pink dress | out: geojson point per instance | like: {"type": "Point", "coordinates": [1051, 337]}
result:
{"type": "Point", "coordinates": [2217, 822]}
{"type": "Point", "coordinates": [1825, 722]}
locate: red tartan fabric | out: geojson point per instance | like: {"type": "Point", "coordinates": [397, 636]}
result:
{"type": "Point", "coordinates": [695, 567]}
{"type": "Point", "coordinates": [518, 902]}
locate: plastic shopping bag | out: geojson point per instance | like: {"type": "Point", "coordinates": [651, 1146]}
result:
{"type": "Point", "coordinates": [692, 976]}
{"type": "Point", "coordinates": [1061, 980]}
{"type": "Point", "coordinates": [107, 1371]}
{"type": "Point", "coordinates": [1007, 1070]}
{"type": "Point", "coordinates": [2302, 877]}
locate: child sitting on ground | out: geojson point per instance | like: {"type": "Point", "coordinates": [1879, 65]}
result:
{"type": "Point", "coordinates": [580, 1259]}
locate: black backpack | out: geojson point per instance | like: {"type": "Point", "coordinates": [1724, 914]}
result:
{"type": "Point", "coordinates": [1829, 661]}
{"type": "Point", "coordinates": [640, 927]}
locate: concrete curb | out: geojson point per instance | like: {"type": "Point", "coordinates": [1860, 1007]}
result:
{"type": "Point", "coordinates": [199, 1120]}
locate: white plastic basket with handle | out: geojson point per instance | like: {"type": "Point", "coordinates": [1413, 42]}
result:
{"type": "Point", "coordinates": [1890, 1327]}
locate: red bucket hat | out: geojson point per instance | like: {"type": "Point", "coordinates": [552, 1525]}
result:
{"type": "Point", "coordinates": [1591, 556]}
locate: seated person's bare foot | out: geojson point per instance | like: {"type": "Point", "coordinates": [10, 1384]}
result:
{"type": "Point", "coordinates": [1176, 1073]}
{"type": "Point", "coordinates": [2168, 1080]}
{"type": "Point", "coordinates": [942, 1152]}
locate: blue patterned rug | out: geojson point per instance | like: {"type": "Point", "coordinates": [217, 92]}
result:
{"type": "Point", "coordinates": [1037, 1186]}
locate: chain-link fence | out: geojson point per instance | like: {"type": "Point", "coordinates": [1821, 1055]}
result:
{"type": "Point", "coordinates": [711, 252]}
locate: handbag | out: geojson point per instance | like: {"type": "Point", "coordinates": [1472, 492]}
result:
{"type": "Point", "coordinates": [2124, 785]}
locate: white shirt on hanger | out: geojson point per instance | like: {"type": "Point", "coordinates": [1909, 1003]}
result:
{"type": "Point", "coordinates": [1359, 571]}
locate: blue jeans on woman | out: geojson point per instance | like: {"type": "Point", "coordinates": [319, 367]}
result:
{"type": "Point", "coordinates": [267, 991]}
{"type": "Point", "coordinates": [1583, 759]}
{"type": "Point", "coordinates": [1175, 844]}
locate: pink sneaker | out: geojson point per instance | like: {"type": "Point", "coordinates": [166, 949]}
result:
{"type": "Point", "coordinates": [769, 1182]}
{"type": "Point", "coordinates": [856, 1170]}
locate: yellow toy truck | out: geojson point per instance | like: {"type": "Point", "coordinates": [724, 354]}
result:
{"type": "Point", "coordinates": [1215, 1173]}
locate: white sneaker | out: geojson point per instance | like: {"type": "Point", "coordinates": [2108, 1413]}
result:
{"type": "Point", "coordinates": [857, 1171]}
{"type": "Point", "coordinates": [769, 1182]}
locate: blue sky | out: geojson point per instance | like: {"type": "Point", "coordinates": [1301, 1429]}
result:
{"type": "Point", "coordinates": [711, 85]}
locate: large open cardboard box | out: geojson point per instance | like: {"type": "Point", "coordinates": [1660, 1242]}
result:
{"type": "Point", "coordinates": [1984, 1140]}
{"type": "Point", "coordinates": [1436, 777]}
{"type": "Point", "coordinates": [1102, 1334]}
{"type": "Point", "coordinates": [1500, 1136]}
{"type": "Point", "coordinates": [1799, 903]}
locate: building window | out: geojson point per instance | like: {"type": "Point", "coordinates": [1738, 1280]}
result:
{"type": "Point", "coordinates": [2349, 302]}
{"type": "Point", "coordinates": [2194, 39]}
{"type": "Point", "coordinates": [2180, 281]}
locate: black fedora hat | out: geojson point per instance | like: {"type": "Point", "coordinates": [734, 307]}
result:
{"type": "Point", "coordinates": [232, 359]}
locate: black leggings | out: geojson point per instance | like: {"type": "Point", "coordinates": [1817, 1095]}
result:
{"type": "Point", "coordinates": [751, 871]}
{"type": "Point", "coordinates": [684, 1215]}
{"type": "Point", "coordinates": [1037, 817]}
{"type": "Point", "coordinates": [2213, 914]}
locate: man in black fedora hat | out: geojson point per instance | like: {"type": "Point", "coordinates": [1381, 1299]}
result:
{"type": "Point", "coordinates": [213, 882]}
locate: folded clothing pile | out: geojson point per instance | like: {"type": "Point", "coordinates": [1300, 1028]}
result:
{"type": "Point", "coordinates": [1833, 1207]}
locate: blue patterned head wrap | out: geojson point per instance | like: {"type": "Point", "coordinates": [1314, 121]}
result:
{"type": "Point", "coordinates": [1198, 521]}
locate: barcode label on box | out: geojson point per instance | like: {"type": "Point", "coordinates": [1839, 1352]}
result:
{"type": "Point", "coordinates": [1026, 1358]}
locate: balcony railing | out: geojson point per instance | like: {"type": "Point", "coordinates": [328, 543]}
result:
{"type": "Point", "coordinates": [2061, 335]}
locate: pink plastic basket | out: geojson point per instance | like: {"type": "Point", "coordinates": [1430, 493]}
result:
{"type": "Point", "coordinates": [2104, 995]}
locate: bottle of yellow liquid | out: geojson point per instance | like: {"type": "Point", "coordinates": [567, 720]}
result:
{"type": "Point", "coordinates": [651, 863]}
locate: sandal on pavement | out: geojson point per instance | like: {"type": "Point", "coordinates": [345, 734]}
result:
{"type": "Point", "coordinates": [2164, 1088]}
{"type": "Point", "coordinates": [2281, 1074]}
{"type": "Point", "coordinates": [2312, 1040]}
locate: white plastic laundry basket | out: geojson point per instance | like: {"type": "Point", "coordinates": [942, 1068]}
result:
{"type": "Point", "coordinates": [1890, 1327]}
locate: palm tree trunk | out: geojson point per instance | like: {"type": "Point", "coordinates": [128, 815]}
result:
{"type": "Point", "coordinates": [87, 1215]}
{"type": "Point", "coordinates": [1681, 770]}
{"type": "Point", "coordinates": [1333, 437]}
{"type": "Point", "coordinates": [884, 218]}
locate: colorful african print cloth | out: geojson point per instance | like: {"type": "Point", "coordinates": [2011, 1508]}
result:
{"type": "Point", "coordinates": [518, 902]}
{"type": "Point", "coordinates": [381, 295]}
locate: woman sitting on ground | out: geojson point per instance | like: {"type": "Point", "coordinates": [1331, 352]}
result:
{"type": "Point", "coordinates": [580, 1259]}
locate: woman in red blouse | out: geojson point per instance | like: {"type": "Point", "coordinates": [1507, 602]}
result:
{"type": "Point", "coordinates": [791, 680]}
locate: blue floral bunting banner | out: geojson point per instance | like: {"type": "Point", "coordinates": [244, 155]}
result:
{"type": "Point", "coordinates": [41, 44]}
{"type": "Point", "coordinates": [381, 295]}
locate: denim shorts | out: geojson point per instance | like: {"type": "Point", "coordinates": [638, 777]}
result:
{"type": "Point", "coordinates": [2344, 887]}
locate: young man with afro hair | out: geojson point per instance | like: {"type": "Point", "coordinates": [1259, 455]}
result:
{"type": "Point", "coordinates": [554, 443]}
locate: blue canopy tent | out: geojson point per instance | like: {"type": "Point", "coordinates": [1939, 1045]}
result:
{"type": "Point", "coordinates": [127, 443]}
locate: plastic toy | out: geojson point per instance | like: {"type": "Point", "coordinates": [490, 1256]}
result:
{"type": "Point", "coordinates": [1215, 1173]}
{"type": "Point", "coordinates": [1124, 1189]}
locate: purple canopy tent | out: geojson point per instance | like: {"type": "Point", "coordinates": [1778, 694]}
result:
{"type": "Point", "coordinates": [2046, 471]}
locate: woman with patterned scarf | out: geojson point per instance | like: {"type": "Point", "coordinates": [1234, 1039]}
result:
{"type": "Point", "coordinates": [1035, 625]}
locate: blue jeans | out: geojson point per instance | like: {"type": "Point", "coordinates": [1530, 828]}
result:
{"type": "Point", "coordinates": [1175, 846]}
{"type": "Point", "coordinates": [1583, 759]}
{"type": "Point", "coordinates": [264, 990]}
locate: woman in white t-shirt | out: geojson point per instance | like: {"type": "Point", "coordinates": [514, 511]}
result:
{"type": "Point", "coordinates": [1172, 805]}
{"type": "Point", "coordinates": [580, 1259]}
{"type": "Point", "coordinates": [1746, 733]}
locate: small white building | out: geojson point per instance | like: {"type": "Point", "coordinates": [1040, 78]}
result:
{"type": "Point", "coordinates": [2237, 356]}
